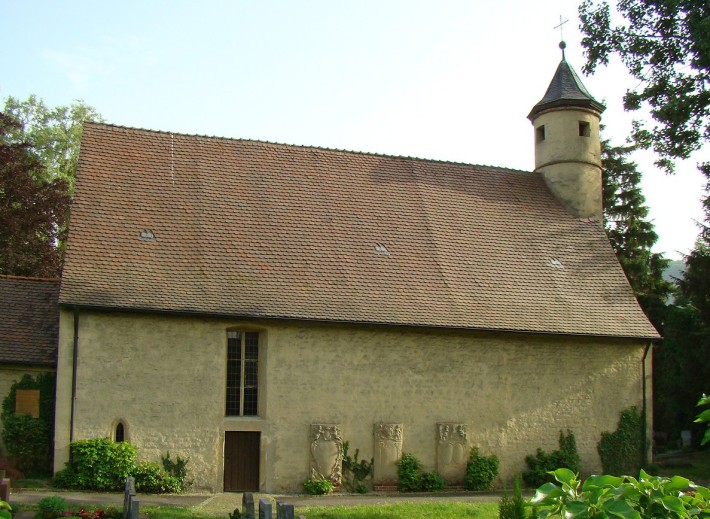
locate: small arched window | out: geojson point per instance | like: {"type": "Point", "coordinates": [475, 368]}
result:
{"type": "Point", "coordinates": [119, 433]}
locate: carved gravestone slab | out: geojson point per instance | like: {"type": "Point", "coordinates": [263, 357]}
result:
{"type": "Point", "coordinates": [326, 453]}
{"type": "Point", "coordinates": [265, 509]}
{"type": "Point", "coordinates": [248, 505]}
{"type": "Point", "coordinates": [284, 511]}
{"type": "Point", "coordinates": [451, 451]}
{"type": "Point", "coordinates": [388, 451]}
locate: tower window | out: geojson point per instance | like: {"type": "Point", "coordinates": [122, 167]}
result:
{"type": "Point", "coordinates": [585, 130]}
{"type": "Point", "coordinates": [540, 133]}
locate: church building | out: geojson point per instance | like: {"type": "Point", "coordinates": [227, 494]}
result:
{"type": "Point", "coordinates": [253, 305]}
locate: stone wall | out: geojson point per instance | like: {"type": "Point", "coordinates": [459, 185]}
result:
{"type": "Point", "coordinates": [165, 378]}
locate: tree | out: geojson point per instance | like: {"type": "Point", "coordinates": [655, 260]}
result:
{"type": "Point", "coordinates": [33, 209]}
{"type": "Point", "coordinates": [631, 233]}
{"type": "Point", "coordinates": [665, 44]}
{"type": "Point", "coordinates": [54, 134]}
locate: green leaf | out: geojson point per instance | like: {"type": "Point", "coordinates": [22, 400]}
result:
{"type": "Point", "coordinates": [704, 416]}
{"type": "Point", "coordinates": [621, 509]}
{"type": "Point", "coordinates": [706, 438]}
{"type": "Point", "coordinates": [674, 504]}
{"type": "Point", "coordinates": [546, 494]}
{"type": "Point", "coordinates": [677, 483]}
{"type": "Point", "coordinates": [565, 476]}
{"type": "Point", "coordinates": [603, 481]}
{"type": "Point", "coordinates": [576, 509]}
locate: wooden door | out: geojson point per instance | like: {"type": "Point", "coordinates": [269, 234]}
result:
{"type": "Point", "coordinates": [241, 461]}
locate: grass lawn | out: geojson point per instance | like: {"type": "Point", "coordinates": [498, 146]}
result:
{"type": "Point", "coordinates": [394, 511]}
{"type": "Point", "coordinates": [692, 465]}
{"type": "Point", "coordinates": [404, 510]}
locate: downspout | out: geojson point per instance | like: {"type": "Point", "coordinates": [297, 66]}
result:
{"type": "Point", "coordinates": [644, 407]}
{"type": "Point", "coordinates": [75, 360]}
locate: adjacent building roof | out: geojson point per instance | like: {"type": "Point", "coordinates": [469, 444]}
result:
{"type": "Point", "coordinates": [190, 224]}
{"type": "Point", "coordinates": [566, 89]}
{"type": "Point", "coordinates": [29, 320]}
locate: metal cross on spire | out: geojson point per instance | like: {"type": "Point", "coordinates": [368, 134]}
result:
{"type": "Point", "coordinates": [562, 38]}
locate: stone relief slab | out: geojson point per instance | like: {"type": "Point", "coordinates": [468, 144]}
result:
{"type": "Point", "coordinates": [327, 452]}
{"type": "Point", "coordinates": [388, 451]}
{"type": "Point", "coordinates": [451, 451]}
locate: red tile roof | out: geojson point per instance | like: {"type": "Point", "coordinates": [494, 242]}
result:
{"type": "Point", "coordinates": [266, 230]}
{"type": "Point", "coordinates": [29, 320]}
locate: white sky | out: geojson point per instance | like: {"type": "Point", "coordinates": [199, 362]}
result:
{"type": "Point", "coordinates": [440, 79]}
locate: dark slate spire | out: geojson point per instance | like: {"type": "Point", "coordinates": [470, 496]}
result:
{"type": "Point", "coordinates": [566, 89]}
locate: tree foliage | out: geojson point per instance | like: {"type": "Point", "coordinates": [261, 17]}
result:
{"type": "Point", "coordinates": [665, 44]}
{"type": "Point", "coordinates": [33, 209]}
{"type": "Point", "coordinates": [630, 231]}
{"type": "Point", "coordinates": [54, 134]}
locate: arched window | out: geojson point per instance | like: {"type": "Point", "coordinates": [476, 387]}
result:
{"type": "Point", "coordinates": [119, 433]}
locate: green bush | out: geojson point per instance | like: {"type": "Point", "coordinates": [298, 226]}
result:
{"type": "Point", "coordinates": [647, 497]}
{"type": "Point", "coordinates": [621, 452]}
{"type": "Point", "coordinates": [356, 472]}
{"type": "Point", "coordinates": [151, 478]}
{"type": "Point", "coordinates": [98, 464]}
{"type": "Point", "coordinates": [412, 479]}
{"type": "Point", "coordinates": [177, 469]}
{"type": "Point", "coordinates": [431, 481]}
{"type": "Point", "coordinates": [318, 487]}
{"type": "Point", "coordinates": [51, 507]}
{"type": "Point", "coordinates": [542, 463]}
{"type": "Point", "coordinates": [513, 507]}
{"type": "Point", "coordinates": [408, 469]}
{"type": "Point", "coordinates": [28, 440]}
{"type": "Point", "coordinates": [480, 471]}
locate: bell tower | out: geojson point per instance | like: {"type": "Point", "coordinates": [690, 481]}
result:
{"type": "Point", "coordinates": [567, 143]}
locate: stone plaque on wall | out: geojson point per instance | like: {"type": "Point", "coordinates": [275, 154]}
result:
{"type": "Point", "coordinates": [388, 451]}
{"type": "Point", "coordinates": [326, 452]}
{"type": "Point", "coordinates": [27, 402]}
{"type": "Point", "coordinates": [451, 451]}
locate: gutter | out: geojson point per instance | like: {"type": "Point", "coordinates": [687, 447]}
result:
{"type": "Point", "coordinates": [75, 361]}
{"type": "Point", "coordinates": [644, 407]}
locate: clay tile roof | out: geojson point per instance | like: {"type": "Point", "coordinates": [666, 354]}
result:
{"type": "Point", "coordinates": [566, 89]}
{"type": "Point", "coordinates": [191, 224]}
{"type": "Point", "coordinates": [29, 320]}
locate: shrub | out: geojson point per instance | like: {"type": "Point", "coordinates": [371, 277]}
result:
{"type": "Point", "coordinates": [623, 497]}
{"type": "Point", "coordinates": [318, 487]}
{"type": "Point", "coordinates": [28, 440]}
{"type": "Point", "coordinates": [412, 479]}
{"type": "Point", "coordinates": [98, 464]}
{"type": "Point", "coordinates": [621, 452]}
{"type": "Point", "coordinates": [151, 478]}
{"type": "Point", "coordinates": [408, 468]}
{"type": "Point", "coordinates": [356, 472]}
{"type": "Point", "coordinates": [177, 469]}
{"type": "Point", "coordinates": [431, 481]}
{"type": "Point", "coordinates": [480, 471]}
{"type": "Point", "coordinates": [513, 507]}
{"type": "Point", "coordinates": [51, 507]}
{"type": "Point", "coordinates": [542, 463]}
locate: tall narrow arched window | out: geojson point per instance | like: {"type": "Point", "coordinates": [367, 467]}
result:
{"type": "Point", "coordinates": [119, 433]}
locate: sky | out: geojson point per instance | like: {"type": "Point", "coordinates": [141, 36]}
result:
{"type": "Point", "coordinates": [437, 79]}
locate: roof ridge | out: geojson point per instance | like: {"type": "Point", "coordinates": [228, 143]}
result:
{"type": "Point", "coordinates": [28, 278]}
{"type": "Point", "coordinates": [309, 146]}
